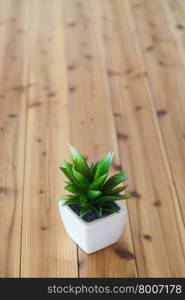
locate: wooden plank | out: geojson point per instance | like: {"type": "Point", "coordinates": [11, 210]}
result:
{"type": "Point", "coordinates": [92, 124]}
{"type": "Point", "coordinates": [165, 68]}
{"type": "Point", "coordinates": [46, 249]}
{"type": "Point", "coordinates": [175, 13]}
{"type": "Point", "coordinates": [13, 90]}
{"type": "Point", "coordinates": [155, 215]}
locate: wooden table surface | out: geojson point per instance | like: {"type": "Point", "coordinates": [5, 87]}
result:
{"type": "Point", "coordinates": [104, 75]}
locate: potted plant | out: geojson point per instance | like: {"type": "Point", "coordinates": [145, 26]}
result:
{"type": "Point", "coordinates": [91, 214]}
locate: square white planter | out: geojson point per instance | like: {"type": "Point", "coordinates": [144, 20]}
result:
{"type": "Point", "coordinates": [94, 235]}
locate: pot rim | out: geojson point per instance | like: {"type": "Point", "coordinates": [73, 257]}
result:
{"type": "Point", "coordinates": [123, 209]}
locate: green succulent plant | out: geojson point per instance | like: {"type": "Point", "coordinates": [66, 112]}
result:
{"type": "Point", "coordinates": [88, 185]}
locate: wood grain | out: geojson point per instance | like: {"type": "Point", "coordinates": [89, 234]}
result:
{"type": "Point", "coordinates": [174, 12]}
{"type": "Point", "coordinates": [105, 76]}
{"type": "Point", "coordinates": [13, 91]}
{"type": "Point", "coordinates": [46, 249]}
{"type": "Point", "coordinates": [140, 142]}
{"type": "Point", "coordinates": [92, 124]}
{"type": "Point", "coordinates": [166, 73]}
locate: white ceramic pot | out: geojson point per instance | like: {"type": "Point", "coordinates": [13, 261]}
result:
{"type": "Point", "coordinates": [94, 235]}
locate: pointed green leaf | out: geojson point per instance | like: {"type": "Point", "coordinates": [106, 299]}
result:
{"type": "Point", "coordinates": [68, 182]}
{"type": "Point", "coordinates": [114, 181]}
{"type": "Point", "coordinates": [68, 175]}
{"type": "Point", "coordinates": [100, 211]}
{"type": "Point", "coordinates": [103, 165]}
{"type": "Point", "coordinates": [92, 168]}
{"type": "Point", "coordinates": [111, 198]}
{"type": "Point", "coordinates": [96, 184]}
{"type": "Point", "coordinates": [80, 162]}
{"type": "Point", "coordinates": [83, 200]}
{"type": "Point", "coordinates": [73, 188]}
{"type": "Point", "coordinates": [70, 202]}
{"type": "Point", "coordinates": [83, 211]}
{"type": "Point", "coordinates": [93, 194]}
{"type": "Point", "coordinates": [81, 179]}
{"type": "Point", "coordinates": [67, 197]}
{"type": "Point", "coordinates": [93, 208]}
{"type": "Point", "coordinates": [65, 172]}
{"type": "Point", "coordinates": [69, 167]}
{"type": "Point", "coordinates": [112, 209]}
{"type": "Point", "coordinates": [125, 196]}
{"type": "Point", "coordinates": [117, 190]}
